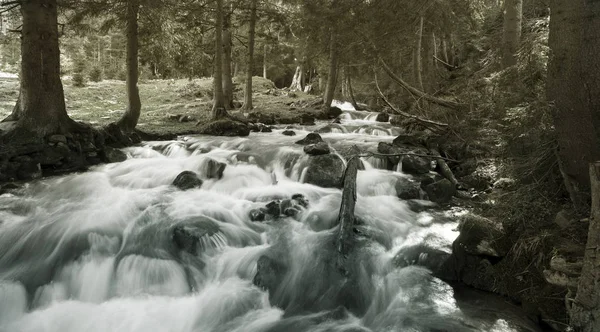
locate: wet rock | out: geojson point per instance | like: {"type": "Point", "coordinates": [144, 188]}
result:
{"type": "Point", "coordinates": [51, 156]}
{"type": "Point", "coordinates": [300, 200]}
{"type": "Point", "coordinates": [389, 149]}
{"type": "Point", "coordinates": [8, 187]}
{"type": "Point", "coordinates": [215, 169]}
{"type": "Point", "coordinates": [331, 128]}
{"type": "Point", "coordinates": [407, 189]}
{"type": "Point", "coordinates": [260, 128]}
{"type": "Point", "coordinates": [317, 149]}
{"type": "Point", "coordinates": [421, 255]}
{"type": "Point", "coordinates": [382, 117]}
{"type": "Point", "coordinates": [269, 274]}
{"type": "Point", "coordinates": [311, 138]}
{"type": "Point", "coordinates": [412, 164]}
{"type": "Point", "coordinates": [325, 171]}
{"type": "Point", "coordinates": [440, 191]}
{"type": "Point", "coordinates": [289, 133]}
{"type": "Point", "coordinates": [481, 236]}
{"type": "Point", "coordinates": [307, 120]}
{"type": "Point", "coordinates": [189, 236]}
{"type": "Point", "coordinates": [258, 215]}
{"type": "Point", "coordinates": [280, 208]}
{"type": "Point", "coordinates": [225, 127]}
{"type": "Point", "coordinates": [259, 117]}
{"type": "Point", "coordinates": [396, 120]}
{"type": "Point", "coordinates": [112, 155]}
{"type": "Point", "coordinates": [333, 112]}
{"type": "Point", "coordinates": [29, 169]}
{"type": "Point", "coordinates": [187, 180]}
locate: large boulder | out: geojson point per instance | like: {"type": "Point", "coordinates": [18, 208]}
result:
{"type": "Point", "coordinates": [382, 117]}
{"type": "Point", "coordinates": [317, 149]}
{"type": "Point", "coordinates": [311, 138]}
{"type": "Point", "coordinates": [215, 169]}
{"type": "Point", "coordinates": [440, 191]}
{"type": "Point", "coordinates": [187, 180]}
{"type": "Point", "coordinates": [407, 189]}
{"type": "Point", "coordinates": [325, 171]}
{"type": "Point", "coordinates": [481, 236]}
{"type": "Point", "coordinates": [413, 164]}
{"type": "Point", "coordinates": [112, 155]}
{"type": "Point", "coordinates": [225, 127]}
{"type": "Point", "coordinates": [333, 112]}
{"type": "Point", "coordinates": [189, 236]}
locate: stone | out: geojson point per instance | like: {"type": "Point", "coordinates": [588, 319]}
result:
{"type": "Point", "coordinates": [440, 191]}
{"type": "Point", "coordinates": [269, 273]}
{"type": "Point", "coordinates": [258, 215]}
{"type": "Point", "coordinates": [307, 120]}
{"type": "Point", "coordinates": [215, 169]}
{"type": "Point", "coordinates": [51, 156]}
{"type": "Point", "coordinates": [289, 133]}
{"type": "Point", "coordinates": [188, 236]}
{"type": "Point", "coordinates": [382, 117]}
{"type": "Point", "coordinates": [317, 149]}
{"type": "Point", "coordinates": [280, 207]}
{"type": "Point", "coordinates": [416, 165]}
{"type": "Point", "coordinates": [564, 219]}
{"type": "Point", "coordinates": [57, 139]}
{"type": "Point", "coordinates": [259, 117]}
{"type": "Point", "coordinates": [421, 255]}
{"type": "Point", "coordinates": [311, 138]}
{"type": "Point", "coordinates": [481, 236]}
{"type": "Point", "coordinates": [389, 149]}
{"type": "Point", "coordinates": [187, 180]}
{"type": "Point", "coordinates": [112, 155]}
{"type": "Point", "coordinates": [225, 127]}
{"type": "Point", "coordinates": [29, 171]}
{"type": "Point", "coordinates": [325, 171]}
{"type": "Point", "coordinates": [333, 112]}
{"type": "Point", "coordinates": [407, 189]}
{"type": "Point", "coordinates": [260, 128]}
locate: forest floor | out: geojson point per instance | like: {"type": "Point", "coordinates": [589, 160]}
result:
{"type": "Point", "coordinates": [164, 102]}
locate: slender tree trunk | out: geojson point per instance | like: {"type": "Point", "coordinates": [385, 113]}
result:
{"type": "Point", "coordinates": [218, 110]}
{"type": "Point", "coordinates": [227, 80]}
{"type": "Point", "coordinates": [418, 65]}
{"type": "Point", "coordinates": [585, 311]}
{"type": "Point", "coordinates": [333, 72]}
{"type": "Point", "coordinates": [574, 91]}
{"type": "Point", "coordinates": [427, 61]}
{"type": "Point", "coordinates": [298, 80]}
{"type": "Point", "coordinates": [134, 104]}
{"type": "Point", "coordinates": [265, 50]}
{"type": "Point", "coordinates": [41, 105]}
{"type": "Point", "coordinates": [513, 16]}
{"type": "Point", "coordinates": [250, 62]}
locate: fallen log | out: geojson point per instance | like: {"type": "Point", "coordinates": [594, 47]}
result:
{"type": "Point", "coordinates": [444, 169]}
{"type": "Point", "coordinates": [346, 217]}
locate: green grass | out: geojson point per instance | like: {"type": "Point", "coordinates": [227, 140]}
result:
{"type": "Point", "coordinates": [104, 102]}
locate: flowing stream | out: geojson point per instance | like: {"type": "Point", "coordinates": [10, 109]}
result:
{"type": "Point", "coordinates": [94, 251]}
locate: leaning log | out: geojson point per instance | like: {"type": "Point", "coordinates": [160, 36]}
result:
{"type": "Point", "coordinates": [346, 217]}
{"type": "Point", "coordinates": [585, 311]}
{"type": "Point", "coordinates": [443, 167]}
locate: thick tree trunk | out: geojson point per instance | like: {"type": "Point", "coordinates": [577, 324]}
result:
{"type": "Point", "coordinates": [418, 65]}
{"type": "Point", "coordinates": [134, 104]}
{"type": "Point", "coordinates": [513, 16]}
{"type": "Point", "coordinates": [41, 105]}
{"type": "Point", "coordinates": [265, 50]}
{"type": "Point", "coordinates": [346, 217]}
{"type": "Point", "coordinates": [227, 79]}
{"type": "Point", "coordinates": [218, 110]}
{"type": "Point", "coordinates": [333, 72]}
{"type": "Point", "coordinates": [574, 91]}
{"type": "Point", "coordinates": [298, 80]}
{"type": "Point", "coordinates": [250, 63]}
{"type": "Point", "coordinates": [585, 311]}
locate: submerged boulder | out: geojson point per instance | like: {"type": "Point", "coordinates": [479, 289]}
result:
{"type": "Point", "coordinates": [317, 149]}
{"type": "Point", "coordinates": [187, 180]}
{"type": "Point", "coordinates": [382, 117]}
{"type": "Point", "coordinates": [289, 132]}
{"type": "Point", "coordinates": [215, 169]}
{"type": "Point", "coordinates": [225, 127]}
{"type": "Point", "coordinates": [311, 138]}
{"type": "Point", "coordinates": [189, 236]}
{"type": "Point", "coordinates": [325, 171]}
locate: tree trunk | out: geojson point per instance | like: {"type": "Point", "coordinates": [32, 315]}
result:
{"type": "Point", "coordinates": [218, 109]}
{"type": "Point", "coordinates": [265, 50]}
{"type": "Point", "coordinates": [250, 62]}
{"type": "Point", "coordinates": [427, 62]}
{"type": "Point", "coordinates": [585, 311]}
{"type": "Point", "coordinates": [298, 80]}
{"type": "Point", "coordinates": [574, 91]}
{"type": "Point", "coordinates": [418, 65]}
{"type": "Point", "coordinates": [513, 16]}
{"type": "Point", "coordinates": [351, 91]}
{"type": "Point", "coordinates": [346, 218]}
{"type": "Point", "coordinates": [227, 80]}
{"type": "Point", "coordinates": [134, 104]}
{"type": "Point", "coordinates": [41, 105]}
{"type": "Point", "coordinates": [333, 71]}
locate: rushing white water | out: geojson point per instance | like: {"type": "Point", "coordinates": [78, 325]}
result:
{"type": "Point", "coordinates": [95, 251]}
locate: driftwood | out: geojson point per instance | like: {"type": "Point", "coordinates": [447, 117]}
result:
{"type": "Point", "coordinates": [417, 92]}
{"type": "Point", "coordinates": [585, 311]}
{"type": "Point", "coordinates": [346, 216]}
{"type": "Point", "coordinates": [443, 166]}
{"type": "Point", "coordinates": [426, 122]}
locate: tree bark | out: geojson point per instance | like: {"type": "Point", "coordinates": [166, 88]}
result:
{"type": "Point", "coordinates": [351, 91]}
{"type": "Point", "coordinates": [585, 311]}
{"type": "Point", "coordinates": [346, 218]}
{"type": "Point", "coordinates": [134, 104]}
{"type": "Point", "coordinates": [513, 16]}
{"type": "Point", "coordinates": [418, 65]}
{"type": "Point", "coordinates": [218, 110]}
{"type": "Point", "coordinates": [333, 72]}
{"type": "Point", "coordinates": [250, 63]}
{"type": "Point", "coordinates": [298, 80]}
{"type": "Point", "coordinates": [41, 105]}
{"type": "Point", "coordinates": [227, 79]}
{"type": "Point", "coordinates": [573, 89]}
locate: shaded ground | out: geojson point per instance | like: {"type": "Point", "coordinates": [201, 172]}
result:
{"type": "Point", "coordinates": [163, 102]}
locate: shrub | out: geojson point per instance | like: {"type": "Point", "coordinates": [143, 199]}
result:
{"type": "Point", "coordinates": [78, 72]}
{"type": "Point", "coordinates": [95, 74]}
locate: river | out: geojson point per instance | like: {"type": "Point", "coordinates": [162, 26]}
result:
{"type": "Point", "coordinates": [94, 251]}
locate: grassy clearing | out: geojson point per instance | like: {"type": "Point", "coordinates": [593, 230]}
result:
{"type": "Point", "coordinates": [104, 102]}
